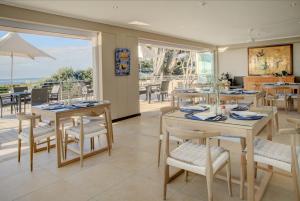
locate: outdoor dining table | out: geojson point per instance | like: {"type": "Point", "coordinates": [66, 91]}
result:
{"type": "Point", "coordinates": [178, 94]}
{"type": "Point", "coordinates": [246, 129]}
{"type": "Point", "coordinates": [18, 97]}
{"type": "Point", "coordinates": [68, 112]}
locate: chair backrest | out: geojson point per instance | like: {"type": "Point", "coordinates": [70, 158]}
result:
{"type": "Point", "coordinates": [84, 90]}
{"type": "Point", "coordinates": [39, 96]}
{"type": "Point", "coordinates": [55, 89]}
{"type": "Point", "coordinates": [164, 86]}
{"type": "Point", "coordinates": [295, 149]}
{"type": "Point", "coordinates": [163, 111]}
{"type": "Point", "coordinates": [238, 81]}
{"type": "Point", "coordinates": [5, 98]}
{"type": "Point", "coordinates": [20, 89]}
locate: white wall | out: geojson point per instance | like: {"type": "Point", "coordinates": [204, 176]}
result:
{"type": "Point", "coordinates": [122, 91]}
{"type": "Point", "coordinates": [235, 61]}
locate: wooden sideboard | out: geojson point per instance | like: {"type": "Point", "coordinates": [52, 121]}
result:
{"type": "Point", "coordinates": [255, 82]}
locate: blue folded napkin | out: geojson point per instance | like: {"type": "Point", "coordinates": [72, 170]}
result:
{"type": "Point", "coordinates": [249, 92]}
{"type": "Point", "coordinates": [194, 108]}
{"type": "Point", "coordinates": [208, 118]}
{"type": "Point", "coordinates": [241, 116]}
{"type": "Point", "coordinates": [240, 108]}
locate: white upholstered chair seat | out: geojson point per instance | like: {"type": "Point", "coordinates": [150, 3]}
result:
{"type": "Point", "coordinates": [272, 153]}
{"type": "Point", "coordinates": [39, 133]}
{"type": "Point", "coordinates": [192, 157]}
{"type": "Point", "coordinates": [90, 129]}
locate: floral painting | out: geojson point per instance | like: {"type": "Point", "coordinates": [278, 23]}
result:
{"type": "Point", "coordinates": [270, 59]}
{"type": "Point", "coordinates": [122, 61]}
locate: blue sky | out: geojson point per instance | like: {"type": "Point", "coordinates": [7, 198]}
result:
{"type": "Point", "coordinates": [69, 52]}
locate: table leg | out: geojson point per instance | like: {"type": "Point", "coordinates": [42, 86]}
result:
{"type": "Point", "coordinates": [250, 167]}
{"type": "Point", "coordinates": [58, 142]}
{"type": "Point", "coordinates": [255, 102]}
{"type": "Point", "coordinates": [20, 104]}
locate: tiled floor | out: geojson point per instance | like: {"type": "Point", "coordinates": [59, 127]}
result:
{"type": "Point", "coordinates": [129, 174]}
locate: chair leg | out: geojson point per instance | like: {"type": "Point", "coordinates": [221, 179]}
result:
{"type": "Point", "coordinates": [81, 144]}
{"type": "Point", "coordinates": [31, 155]}
{"type": "Point", "coordinates": [159, 151]}
{"type": "Point", "coordinates": [186, 175]}
{"type": "Point", "coordinates": [48, 144]}
{"type": "Point", "coordinates": [255, 170]}
{"type": "Point", "coordinates": [228, 172]}
{"type": "Point", "coordinates": [108, 142]}
{"type": "Point", "coordinates": [166, 180]}
{"type": "Point", "coordinates": [91, 141]}
{"type": "Point", "coordinates": [277, 122]}
{"type": "Point", "coordinates": [296, 184]}
{"type": "Point", "coordinates": [66, 145]}
{"type": "Point", "coordinates": [19, 149]}
{"type": "Point", "coordinates": [209, 181]}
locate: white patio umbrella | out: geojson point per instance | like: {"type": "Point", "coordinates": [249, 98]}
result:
{"type": "Point", "coordinates": [13, 45]}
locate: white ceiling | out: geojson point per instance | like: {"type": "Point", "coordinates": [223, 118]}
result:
{"type": "Point", "coordinates": [218, 22]}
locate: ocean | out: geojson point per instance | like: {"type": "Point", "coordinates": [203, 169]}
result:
{"type": "Point", "coordinates": [18, 80]}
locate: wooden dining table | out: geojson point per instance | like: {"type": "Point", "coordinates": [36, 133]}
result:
{"type": "Point", "coordinates": [180, 94]}
{"type": "Point", "coordinates": [57, 115]}
{"type": "Point", "coordinates": [245, 129]}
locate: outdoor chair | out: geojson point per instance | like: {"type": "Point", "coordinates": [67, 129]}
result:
{"type": "Point", "coordinates": [86, 91]}
{"type": "Point", "coordinates": [25, 99]}
{"type": "Point", "coordinates": [7, 100]}
{"type": "Point", "coordinates": [20, 89]}
{"type": "Point", "coordinates": [54, 94]}
{"type": "Point", "coordinates": [39, 96]}
{"type": "Point", "coordinates": [163, 90]}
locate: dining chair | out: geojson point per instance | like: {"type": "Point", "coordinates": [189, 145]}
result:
{"type": "Point", "coordinates": [7, 100]}
{"type": "Point", "coordinates": [242, 141]}
{"type": "Point", "coordinates": [33, 134]}
{"type": "Point", "coordinates": [281, 156]}
{"type": "Point", "coordinates": [163, 90]}
{"type": "Point", "coordinates": [39, 96]}
{"type": "Point", "coordinates": [163, 111]}
{"type": "Point", "coordinates": [201, 159]}
{"type": "Point", "coordinates": [281, 94]}
{"type": "Point", "coordinates": [20, 89]}
{"type": "Point", "coordinates": [25, 99]}
{"type": "Point", "coordinates": [83, 131]}
{"type": "Point", "coordinates": [54, 94]}
{"type": "Point", "coordinates": [232, 99]}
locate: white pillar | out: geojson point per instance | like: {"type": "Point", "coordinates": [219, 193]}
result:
{"type": "Point", "coordinates": [97, 66]}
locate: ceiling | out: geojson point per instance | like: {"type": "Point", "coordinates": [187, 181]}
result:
{"type": "Point", "coordinates": [218, 22]}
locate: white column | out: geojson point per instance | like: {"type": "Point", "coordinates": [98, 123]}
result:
{"type": "Point", "coordinates": [97, 66]}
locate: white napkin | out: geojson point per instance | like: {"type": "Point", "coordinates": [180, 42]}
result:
{"type": "Point", "coordinates": [204, 116]}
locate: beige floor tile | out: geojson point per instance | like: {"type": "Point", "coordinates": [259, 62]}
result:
{"type": "Point", "coordinates": [57, 191]}
{"type": "Point", "coordinates": [25, 182]}
{"type": "Point", "coordinates": [98, 178]}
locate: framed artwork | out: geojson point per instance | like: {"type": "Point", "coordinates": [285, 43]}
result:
{"type": "Point", "coordinates": [122, 61]}
{"type": "Point", "coordinates": [270, 59]}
